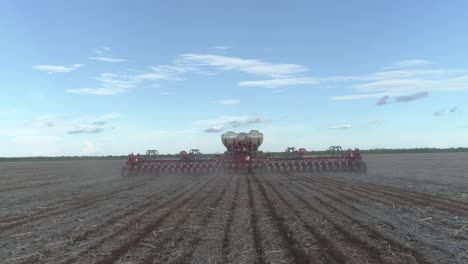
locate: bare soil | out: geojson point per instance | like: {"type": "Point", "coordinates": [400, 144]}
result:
{"type": "Point", "coordinates": [409, 208]}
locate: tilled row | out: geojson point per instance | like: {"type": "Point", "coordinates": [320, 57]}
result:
{"type": "Point", "coordinates": [412, 226]}
{"type": "Point", "coordinates": [264, 218]}
{"type": "Point", "coordinates": [98, 232]}
{"type": "Point", "coordinates": [9, 222]}
{"type": "Point", "coordinates": [136, 227]}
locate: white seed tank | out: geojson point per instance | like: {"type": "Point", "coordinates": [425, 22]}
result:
{"type": "Point", "coordinates": [242, 138]}
{"type": "Point", "coordinates": [229, 138]}
{"type": "Point", "coordinates": [253, 137]}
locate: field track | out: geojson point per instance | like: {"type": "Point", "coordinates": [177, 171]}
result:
{"type": "Point", "coordinates": [84, 212]}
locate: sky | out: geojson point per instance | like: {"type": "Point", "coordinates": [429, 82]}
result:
{"type": "Point", "coordinates": [113, 77]}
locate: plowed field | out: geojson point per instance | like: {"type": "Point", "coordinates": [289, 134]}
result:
{"type": "Point", "coordinates": [409, 208]}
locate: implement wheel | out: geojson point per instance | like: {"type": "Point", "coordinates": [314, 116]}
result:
{"type": "Point", "coordinates": [359, 166]}
{"type": "Point", "coordinates": [363, 167]}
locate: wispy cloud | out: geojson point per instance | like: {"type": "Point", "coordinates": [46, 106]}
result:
{"type": "Point", "coordinates": [229, 102]}
{"type": "Point", "coordinates": [249, 66]}
{"type": "Point", "coordinates": [111, 84]}
{"type": "Point", "coordinates": [383, 100]}
{"type": "Point", "coordinates": [106, 59]}
{"type": "Point", "coordinates": [410, 63]}
{"type": "Point", "coordinates": [99, 123]}
{"type": "Point", "coordinates": [93, 125]}
{"type": "Point", "coordinates": [256, 120]}
{"type": "Point", "coordinates": [411, 97]}
{"type": "Point", "coordinates": [167, 72]}
{"type": "Point", "coordinates": [96, 91]}
{"type": "Point", "coordinates": [274, 83]}
{"type": "Point", "coordinates": [402, 98]}
{"type": "Point", "coordinates": [86, 130]}
{"type": "Point", "coordinates": [48, 121]}
{"type": "Point", "coordinates": [277, 91]}
{"type": "Point", "coordinates": [222, 47]}
{"type": "Point", "coordinates": [103, 54]}
{"type": "Point", "coordinates": [103, 50]}
{"type": "Point", "coordinates": [116, 84]}
{"type": "Point", "coordinates": [214, 130]}
{"type": "Point", "coordinates": [399, 83]}
{"type": "Point", "coordinates": [282, 74]}
{"type": "Point", "coordinates": [224, 122]}
{"type": "Point", "coordinates": [112, 80]}
{"type": "Point", "coordinates": [444, 111]}
{"type": "Point", "coordinates": [151, 76]}
{"type": "Point", "coordinates": [439, 113]}
{"type": "Point", "coordinates": [342, 126]}
{"type": "Point", "coordinates": [57, 68]}
{"type": "Point", "coordinates": [356, 96]}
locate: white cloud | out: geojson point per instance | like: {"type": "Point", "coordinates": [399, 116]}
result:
{"type": "Point", "coordinates": [400, 86]}
{"type": "Point", "coordinates": [44, 121]}
{"type": "Point", "coordinates": [411, 97]}
{"type": "Point", "coordinates": [106, 59]}
{"type": "Point", "coordinates": [111, 80]}
{"type": "Point", "coordinates": [166, 72]}
{"type": "Point", "coordinates": [439, 113]}
{"type": "Point", "coordinates": [276, 91]}
{"type": "Point", "coordinates": [92, 124]}
{"type": "Point", "coordinates": [114, 84]}
{"type": "Point", "coordinates": [57, 68]}
{"type": "Point", "coordinates": [223, 47]}
{"type": "Point", "coordinates": [151, 76]}
{"type": "Point", "coordinates": [89, 148]}
{"type": "Point", "coordinates": [249, 66]}
{"type": "Point", "coordinates": [399, 83]}
{"type": "Point", "coordinates": [229, 102]}
{"type": "Point", "coordinates": [103, 50]}
{"type": "Point", "coordinates": [111, 84]}
{"type": "Point", "coordinates": [173, 70]}
{"type": "Point", "coordinates": [383, 100]}
{"type": "Point", "coordinates": [96, 91]}
{"type": "Point", "coordinates": [274, 83]}
{"type": "Point", "coordinates": [343, 126]}
{"type": "Point", "coordinates": [411, 63]}
{"type": "Point", "coordinates": [224, 122]}
{"type": "Point", "coordinates": [103, 54]}
{"type": "Point", "coordinates": [356, 96]}
{"type": "Point", "coordinates": [87, 130]}
{"type": "Point", "coordinates": [219, 121]}
{"type": "Point", "coordinates": [213, 129]}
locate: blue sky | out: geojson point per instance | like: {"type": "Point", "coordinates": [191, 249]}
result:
{"type": "Point", "coordinates": [112, 77]}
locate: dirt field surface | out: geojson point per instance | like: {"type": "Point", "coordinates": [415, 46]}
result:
{"type": "Point", "coordinates": [409, 208]}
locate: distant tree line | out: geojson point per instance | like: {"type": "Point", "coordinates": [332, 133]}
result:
{"type": "Point", "coordinates": [414, 150]}
{"type": "Point", "coordinates": [123, 157]}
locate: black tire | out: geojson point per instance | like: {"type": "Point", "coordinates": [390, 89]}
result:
{"type": "Point", "coordinates": [357, 166]}
{"type": "Point", "coordinates": [364, 167]}
{"type": "Point", "coordinates": [323, 166]}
